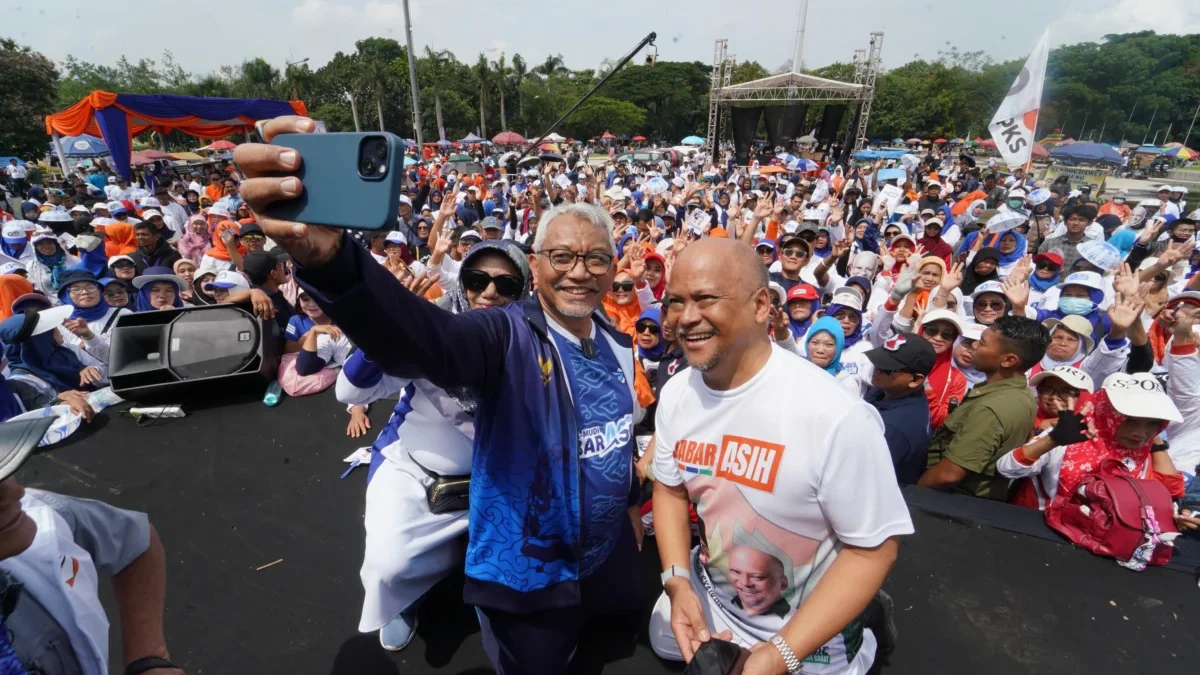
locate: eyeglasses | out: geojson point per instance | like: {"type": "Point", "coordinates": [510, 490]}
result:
{"type": "Point", "coordinates": [945, 333]}
{"type": "Point", "coordinates": [619, 286]}
{"type": "Point", "coordinates": [122, 265]}
{"type": "Point", "coordinates": [1048, 266]}
{"type": "Point", "coordinates": [994, 305]}
{"type": "Point", "coordinates": [794, 253]}
{"type": "Point", "coordinates": [564, 260]}
{"type": "Point", "coordinates": [507, 285]}
{"type": "Point", "coordinates": [647, 327]}
{"type": "Point", "coordinates": [254, 238]}
{"type": "Point", "coordinates": [81, 289]}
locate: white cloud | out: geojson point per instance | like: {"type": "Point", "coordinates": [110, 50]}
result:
{"type": "Point", "coordinates": [1086, 22]}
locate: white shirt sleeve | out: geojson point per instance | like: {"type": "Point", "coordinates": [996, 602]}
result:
{"type": "Point", "coordinates": [858, 492]}
{"type": "Point", "coordinates": [666, 471]}
{"type": "Point", "coordinates": [449, 273]}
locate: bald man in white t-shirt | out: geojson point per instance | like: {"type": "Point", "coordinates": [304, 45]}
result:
{"type": "Point", "coordinates": [789, 473]}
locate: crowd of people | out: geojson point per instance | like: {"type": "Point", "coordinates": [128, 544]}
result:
{"type": "Point", "coordinates": [584, 352]}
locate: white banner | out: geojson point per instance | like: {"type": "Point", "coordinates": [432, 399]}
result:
{"type": "Point", "coordinates": [1013, 125]}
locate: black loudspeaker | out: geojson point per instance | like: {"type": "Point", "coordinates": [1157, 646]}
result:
{"type": "Point", "coordinates": [745, 125]}
{"type": "Point", "coordinates": [831, 119]}
{"type": "Point", "coordinates": [784, 122]}
{"type": "Point", "coordinates": [180, 353]}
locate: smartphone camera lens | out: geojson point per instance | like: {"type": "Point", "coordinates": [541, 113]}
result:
{"type": "Point", "coordinates": [372, 157]}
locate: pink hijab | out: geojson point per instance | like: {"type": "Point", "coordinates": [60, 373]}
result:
{"type": "Point", "coordinates": [196, 240]}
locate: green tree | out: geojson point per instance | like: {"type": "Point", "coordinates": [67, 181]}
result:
{"type": "Point", "coordinates": [29, 95]}
{"type": "Point", "coordinates": [500, 75]}
{"type": "Point", "coordinates": [600, 114]}
{"type": "Point", "coordinates": [483, 74]}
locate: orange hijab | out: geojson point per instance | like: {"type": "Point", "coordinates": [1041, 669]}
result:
{"type": "Point", "coordinates": [12, 286]}
{"type": "Point", "coordinates": [119, 239]}
{"type": "Point", "coordinates": [218, 250]}
{"type": "Point", "coordinates": [624, 317]}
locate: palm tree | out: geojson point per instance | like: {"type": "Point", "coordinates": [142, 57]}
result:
{"type": "Point", "coordinates": [436, 61]}
{"type": "Point", "coordinates": [519, 70]}
{"type": "Point", "coordinates": [502, 81]}
{"type": "Point", "coordinates": [377, 74]}
{"type": "Point", "coordinates": [553, 65]}
{"type": "Point", "coordinates": [483, 72]}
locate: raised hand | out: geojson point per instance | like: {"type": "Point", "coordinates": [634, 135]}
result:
{"type": "Point", "coordinates": [1124, 310]}
{"type": "Point", "coordinates": [1023, 269]}
{"type": "Point", "coordinates": [637, 262]}
{"type": "Point", "coordinates": [953, 277]}
{"type": "Point", "coordinates": [1174, 254]}
{"type": "Point", "coordinates": [1151, 231]}
{"type": "Point", "coordinates": [1017, 291]}
{"type": "Point", "coordinates": [763, 209]}
{"type": "Point", "coordinates": [420, 284]}
{"type": "Point", "coordinates": [79, 328]}
{"type": "Point", "coordinates": [904, 282]}
{"type": "Point", "coordinates": [1125, 282]}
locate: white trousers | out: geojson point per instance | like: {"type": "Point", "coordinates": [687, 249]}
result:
{"type": "Point", "coordinates": [408, 548]}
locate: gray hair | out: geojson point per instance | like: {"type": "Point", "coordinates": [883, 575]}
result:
{"type": "Point", "coordinates": [589, 213]}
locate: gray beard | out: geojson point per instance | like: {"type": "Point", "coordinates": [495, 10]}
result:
{"type": "Point", "coordinates": [707, 365]}
{"type": "Point", "coordinates": [574, 311]}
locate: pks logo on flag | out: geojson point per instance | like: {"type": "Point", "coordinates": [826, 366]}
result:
{"type": "Point", "coordinates": [895, 343]}
{"type": "Point", "coordinates": [1016, 119]}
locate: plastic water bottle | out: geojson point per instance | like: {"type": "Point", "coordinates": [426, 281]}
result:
{"type": "Point", "coordinates": [158, 411]}
{"type": "Point", "coordinates": [274, 393]}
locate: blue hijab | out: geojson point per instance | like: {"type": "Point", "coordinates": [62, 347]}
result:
{"type": "Point", "coordinates": [870, 240]}
{"type": "Point", "coordinates": [827, 249]}
{"type": "Point", "coordinates": [659, 350]}
{"type": "Point", "coordinates": [94, 313]}
{"type": "Point", "coordinates": [94, 261]}
{"type": "Point", "coordinates": [40, 354]}
{"type": "Point", "coordinates": [142, 302]}
{"type": "Point", "coordinates": [13, 247]}
{"type": "Point", "coordinates": [829, 325]}
{"type": "Point", "coordinates": [801, 327]}
{"type": "Point", "coordinates": [57, 262]}
{"type": "Point", "coordinates": [993, 241]}
{"type": "Point", "coordinates": [1123, 240]}
{"type": "Point", "coordinates": [854, 337]}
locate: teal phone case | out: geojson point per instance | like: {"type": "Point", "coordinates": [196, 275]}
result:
{"type": "Point", "coordinates": [335, 193]}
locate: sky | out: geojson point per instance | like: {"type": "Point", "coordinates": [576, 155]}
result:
{"type": "Point", "coordinates": [585, 33]}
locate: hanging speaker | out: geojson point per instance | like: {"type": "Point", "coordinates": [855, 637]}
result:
{"type": "Point", "coordinates": [179, 353]}
{"type": "Point", "coordinates": [745, 124]}
{"type": "Point", "coordinates": [784, 123]}
{"type": "Point", "coordinates": [831, 119]}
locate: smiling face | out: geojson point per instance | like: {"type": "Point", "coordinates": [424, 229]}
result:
{"type": "Point", "coordinates": [46, 247]}
{"type": "Point", "coordinates": [989, 307]}
{"type": "Point", "coordinates": [821, 349]}
{"type": "Point", "coordinates": [1008, 243]}
{"type": "Point", "coordinates": [116, 295]}
{"type": "Point", "coordinates": [84, 294]}
{"type": "Point", "coordinates": [940, 335]}
{"type": "Point", "coordinates": [575, 292]}
{"type": "Point", "coordinates": [654, 273]}
{"type": "Point", "coordinates": [186, 271]}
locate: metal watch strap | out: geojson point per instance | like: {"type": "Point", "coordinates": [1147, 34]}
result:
{"type": "Point", "coordinates": [789, 657]}
{"type": "Point", "coordinates": [147, 664]}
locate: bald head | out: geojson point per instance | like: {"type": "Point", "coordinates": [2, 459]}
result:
{"type": "Point", "coordinates": [717, 306]}
{"type": "Point", "coordinates": [726, 259]}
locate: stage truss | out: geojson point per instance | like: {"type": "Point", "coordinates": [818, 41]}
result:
{"type": "Point", "coordinates": [794, 88]}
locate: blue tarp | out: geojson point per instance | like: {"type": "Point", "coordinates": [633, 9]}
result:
{"type": "Point", "coordinates": [1096, 153]}
{"type": "Point", "coordinates": [880, 154]}
{"type": "Point", "coordinates": [5, 160]}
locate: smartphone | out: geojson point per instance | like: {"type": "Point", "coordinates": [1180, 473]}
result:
{"type": "Point", "coordinates": [351, 180]}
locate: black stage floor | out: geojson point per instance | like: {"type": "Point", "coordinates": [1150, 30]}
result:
{"type": "Point", "coordinates": [238, 485]}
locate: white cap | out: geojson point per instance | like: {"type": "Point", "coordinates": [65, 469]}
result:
{"type": "Point", "coordinates": [99, 206]}
{"type": "Point", "coordinates": [1069, 374]}
{"type": "Point", "coordinates": [1087, 279]}
{"type": "Point", "coordinates": [848, 297]}
{"type": "Point", "coordinates": [1016, 192]}
{"type": "Point", "coordinates": [150, 201]}
{"type": "Point", "coordinates": [54, 216]}
{"type": "Point", "coordinates": [395, 237]}
{"type": "Point", "coordinates": [11, 268]}
{"type": "Point", "coordinates": [219, 209]}
{"type": "Point", "coordinates": [1180, 189]}
{"type": "Point", "coordinates": [231, 280]}
{"type": "Point", "coordinates": [1140, 395]}
{"type": "Point", "coordinates": [991, 286]}
{"type": "Point", "coordinates": [112, 180]}
{"type": "Point", "coordinates": [150, 213]}
{"type": "Point", "coordinates": [49, 319]}
{"type": "Point", "coordinates": [777, 290]}
{"type": "Point", "coordinates": [973, 331]}
{"type": "Point", "coordinates": [665, 245]}
{"type": "Point", "coordinates": [79, 208]}
{"type": "Point", "coordinates": [118, 258]}
{"type": "Point", "coordinates": [405, 200]}
{"type": "Point", "coordinates": [42, 235]}
{"type": "Point", "coordinates": [13, 230]}
{"type": "Point", "coordinates": [1168, 188]}
{"type": "Point", "coordinates": [942, 314]}
{"type": "Point", "coordinates": [911, 241]}
{"type": "Point", "coordinates": [1150, 202]}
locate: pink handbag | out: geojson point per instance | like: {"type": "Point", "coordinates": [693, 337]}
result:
{"type": "Point", "coordinates": [295, 384]}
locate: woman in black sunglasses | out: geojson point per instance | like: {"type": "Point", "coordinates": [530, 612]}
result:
{"type": "Point", "coordinates": [409, 546]}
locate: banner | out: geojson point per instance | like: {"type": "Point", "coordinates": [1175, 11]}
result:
{"type": "Point", "coordinates": [1078, 176]}
{"type": "Point", "coordinates": [1013, 125]}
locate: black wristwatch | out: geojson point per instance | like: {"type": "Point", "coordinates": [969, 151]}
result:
{"type": "Point", "coordinates": [148, 663]}
{"type": "Point", "coordinates": [1161, 446]}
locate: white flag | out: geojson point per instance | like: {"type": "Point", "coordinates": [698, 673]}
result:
{"type": "Point", "coordinates": [1013, 125]}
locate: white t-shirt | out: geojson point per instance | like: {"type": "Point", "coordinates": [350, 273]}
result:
{"type": "Point", "coordinates": [783, 471]}
{"type": "Point", "coordinates": [334, 352]}
{"type": "Point", "coordinates": [15, 171]}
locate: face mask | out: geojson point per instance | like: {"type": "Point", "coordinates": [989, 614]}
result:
{"type": "Point", "coordinates": [1078, 306]}
{"type": "Point", "coordinates": [1118, 202]}
{"type": "Point", "coordinates": [1015, 203]}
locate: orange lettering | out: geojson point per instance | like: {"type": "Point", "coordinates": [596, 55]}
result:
{"type": "Point", "coordinates": [749, 461]}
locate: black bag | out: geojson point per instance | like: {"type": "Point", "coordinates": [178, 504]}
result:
{"type": "Point", "coordinates": [446, 493]}
{"type": "Point", "coordinates": [717, 657]}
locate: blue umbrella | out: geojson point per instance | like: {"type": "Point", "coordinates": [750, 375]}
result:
{"type": "Point", "coordinates": [5, 160]}
{"type": "Point", "coordinates": [83, 146]}
{"type": "Point", "coordinates": [408, 143]}
{"type": "Point", "coordinates": [693, 140]}
{"type": "Point", "coordinates": [445, 142]}
{"type": "Point", "coordinates": [409, 161]}
{"type": "Point", "coordinates": [897, 140]}
{"type": "Point", "coordinates": [1086, 152]}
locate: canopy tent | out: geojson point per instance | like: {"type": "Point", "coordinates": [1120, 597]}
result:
{"type": "Point", "coordinates": [219, 145]}
{"type": "Point", "coordinates": [119, 117]}
{"type": "Point", "coordinates": [692, 140]}
{"type": "Point", "coordinates": [84, 145]}
{"type": "Point", "coordinates": [639, 139]}
{"type": "Point", "coordinates": [554, 138]}
{"type": "Point", "coordinates": [147, 156]}
{"type": "Point", "coordinates": [606, 136]}
{"type": "Point", "coordinates": [187, 156]}
{"type": "Point", "coordinates": [471, 138]}
{"type": "Point", "coordinates": [939, 140]}
{"type": "Point", "coordinates": [1087, 152]}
